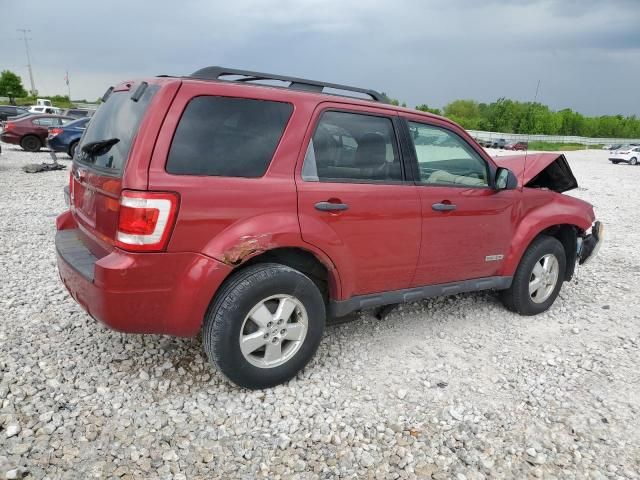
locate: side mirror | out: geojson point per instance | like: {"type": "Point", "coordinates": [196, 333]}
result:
{"type": "Point", "coordinates": [505, 180]}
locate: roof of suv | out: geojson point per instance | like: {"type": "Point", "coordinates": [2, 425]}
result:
{"type": "Point", "coordinates": [300, 86]}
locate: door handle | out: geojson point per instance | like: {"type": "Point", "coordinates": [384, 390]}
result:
{"type": "Point", "coordinates": [443, 207]}
{"type": "Point", "coordinates": [331, 207]}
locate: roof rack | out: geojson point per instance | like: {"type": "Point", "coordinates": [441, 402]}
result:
{"type": "Point", "coordinates": [218, 73]}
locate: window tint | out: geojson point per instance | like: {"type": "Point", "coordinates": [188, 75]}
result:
{"type": "Point", "coordinates": [446, 159]}
{"type": "Point", "coordinates": [227, 137]}
{"type": "Point", "coordinates": [119, 117]}
{"type": "Point", "coordinates": [352, 147]}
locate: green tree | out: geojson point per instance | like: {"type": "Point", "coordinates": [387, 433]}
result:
{"type": "Point", "coordinates": [425, 108]}
{"type": "Point", "coordinates": [11, 86]}
{"type": "Point", "coordinates": [392, 101]}
{"type": "Point", "coordinates": [464, 112]}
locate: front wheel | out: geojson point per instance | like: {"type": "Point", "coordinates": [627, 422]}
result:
{"type": "Point", "coordinates": [538, 279]}
{"type": "Point", "coordinates": [264, 326]}
{"type": "Point", "coordinates": [633, 161]}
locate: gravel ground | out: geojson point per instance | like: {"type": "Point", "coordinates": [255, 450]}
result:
{"type": "Point", "coordinates": [446, 388]}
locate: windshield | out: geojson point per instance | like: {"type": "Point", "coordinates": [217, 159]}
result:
{"type": "Point", "coordinates": [118, 118]}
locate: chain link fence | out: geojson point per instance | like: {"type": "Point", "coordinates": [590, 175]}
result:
{"type": "Point", "coordinates": [523, 137]}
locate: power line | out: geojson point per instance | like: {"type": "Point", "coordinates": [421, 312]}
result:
{"type": "Point", "coordinates": [26, 46]}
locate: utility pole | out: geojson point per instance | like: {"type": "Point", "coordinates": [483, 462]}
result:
{"type": "Point", "coordinates": [24, 31]}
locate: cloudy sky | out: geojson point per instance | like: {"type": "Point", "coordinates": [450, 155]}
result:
{"type": "Point", "coordinates": [586, 53]}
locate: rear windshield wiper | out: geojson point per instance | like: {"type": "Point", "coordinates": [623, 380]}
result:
{"type": "Point", "coordinates": [100, 147]}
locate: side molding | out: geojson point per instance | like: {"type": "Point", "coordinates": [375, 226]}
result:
{"type": "Point", "coordinates": [344, 307]}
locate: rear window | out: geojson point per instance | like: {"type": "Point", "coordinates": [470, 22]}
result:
{"type": "Point", "coordinates": [227, 137]}
{"type": "Point", "coordinates": [118, 118]}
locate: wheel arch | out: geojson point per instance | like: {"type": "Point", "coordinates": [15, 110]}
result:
{"type": "Point", "coordinates": [562, 217]}
{"type": "Point", "coordinates": [279, 241]}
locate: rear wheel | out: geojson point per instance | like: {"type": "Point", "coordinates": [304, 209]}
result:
{"type": "Point", "coordinates": [31, 143]}
{"type": "Point", "coordinates": [72, 149]}
{"type": "Point", "coordinates": [538, 279]}
{"type": "Point", "coordinates": [633, 161]}
{"type": "Point", "coordinates": [615, 162]}
{"type": "Point", "coordinates": [264, 326]}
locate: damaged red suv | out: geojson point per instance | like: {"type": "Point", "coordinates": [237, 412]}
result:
{"type": "Point", "coordinates": [253, 212]}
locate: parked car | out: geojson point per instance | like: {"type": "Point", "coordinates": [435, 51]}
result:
{"type": "Point", "coordinates": [45, 109]}
{"type": "Point", "coordinates": [65, 138]}
{"type": "Point", "coordinates": [630, 155]}
{"type": "Point", "coordinates": [7, 111]}
{"type": "Point", "coordinates": [493, 143]}
{"type": "Point", "coordinates": [253, 212]}
{"type": "Point", "coordinates": [30, 132]}
{"type": "Point", "coordinates": [78, 112]}
{"type": "Point", "coordinates": [517, 146]}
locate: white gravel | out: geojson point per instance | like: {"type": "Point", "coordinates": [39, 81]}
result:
{"type": "Point", "coordinates": [447, 388]}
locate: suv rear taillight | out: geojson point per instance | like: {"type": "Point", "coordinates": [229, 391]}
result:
{"type": "Point", "coordinates": [54, 132]}
{"type": "Point", "coordinates": [146, 220]}
{"type": "Point", "coordinates": [9, 126]}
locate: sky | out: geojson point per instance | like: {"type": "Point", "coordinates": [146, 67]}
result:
{"type": "Point", "coordinates": [585, 53]}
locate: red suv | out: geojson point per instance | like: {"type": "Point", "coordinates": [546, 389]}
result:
{"type": "Point", "coordinates": [253, 212]}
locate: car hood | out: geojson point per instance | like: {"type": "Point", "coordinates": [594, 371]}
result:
{"type": "Point", "coordinates": [540, 170]}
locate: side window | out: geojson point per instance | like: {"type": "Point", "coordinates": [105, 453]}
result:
{"type": "Point", "coordinates": [446, 159]}
{"type": "Point", "coordinates": [227, 137]}
{"type": "Point", "coordinates": [46, 121]}
{"type": "Point", "coordinates": [352, 147]}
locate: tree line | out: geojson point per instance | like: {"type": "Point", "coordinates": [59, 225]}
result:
{"type": "Point", "coordinates": [510, 116]}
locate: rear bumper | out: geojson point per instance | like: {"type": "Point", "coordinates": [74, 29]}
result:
{"type": "Point", "coordinates": [8, 137]}
{"type": "Point", "coordinates": [163, 293]}
{"type": "Point", "coordinates": [57, 145]}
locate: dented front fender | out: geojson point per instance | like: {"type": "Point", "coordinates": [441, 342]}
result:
{"type": "Point", "coordinates": [542, 210]}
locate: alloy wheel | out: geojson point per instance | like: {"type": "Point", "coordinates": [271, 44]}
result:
{"type": "Point", "coordinates": [544, 278]}
{"type": "Point", "coordinates": [273, 331]}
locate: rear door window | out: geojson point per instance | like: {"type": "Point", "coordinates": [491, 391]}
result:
{"type": "Point", "coordinates": [227, 137]}
{"type": "Point", "coordinates": [352, 147]}
{"type": "Point", "coordinates": [117, 119]}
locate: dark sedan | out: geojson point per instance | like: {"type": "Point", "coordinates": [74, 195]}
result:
{"type": "Point", "coordinates": [65, 138]}
{"type": "Point", "coordinates": [31, 132]}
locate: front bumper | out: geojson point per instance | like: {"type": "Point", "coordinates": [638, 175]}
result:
{"type": "Point", "coordinates": [590, 244]}
{"type": "Point", "coordinates": [162, 293]}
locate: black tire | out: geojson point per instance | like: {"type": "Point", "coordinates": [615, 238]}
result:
{"type": "Point", "coordinates": [232, 304]}
{"type": "Point", "coordinates": [31, 143]}
{"type": "Point", "coordinates": [633, 161]}
{"type": "Point", "coordinates": [72, 148]}
{"type": "Point", "coordinates": [517, 298]}
{"type": "Point", "coordinates": [615, 162]}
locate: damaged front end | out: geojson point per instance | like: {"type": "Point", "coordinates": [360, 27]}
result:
{"type": "Point", "coordinates": [589, 244]}
{"type": "Point", "coordinates": [551, 171]}
{"type": "Point", "coordinates": [540, 170]}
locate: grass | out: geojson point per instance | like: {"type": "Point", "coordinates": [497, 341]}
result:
{"type": "Point", "coordinates": [563, 147]}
